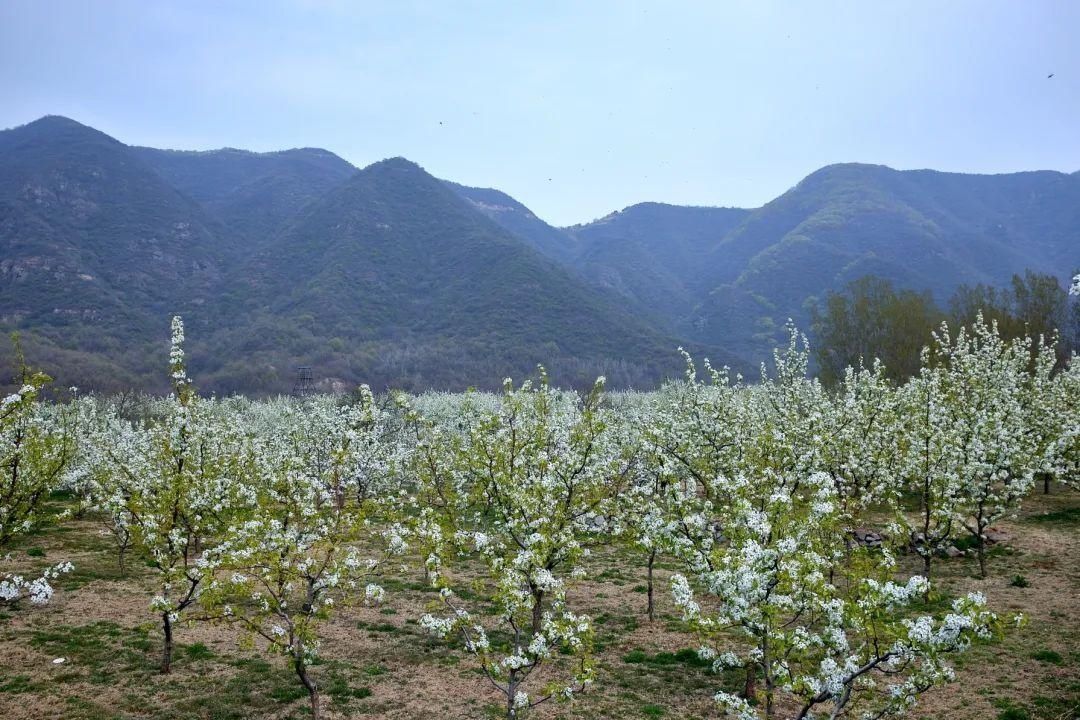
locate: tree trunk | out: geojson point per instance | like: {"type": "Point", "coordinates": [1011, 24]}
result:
{"type": "Point", "coordinates": [766, 666]}
{"type": "Point", "coordinates": [511, 693]}
{"type": "Point", "coordinates": [537, 611]}
{"type": "Point", "coordinates": [652, 560]}
{"type": "Point", "coordinates": [1046, 483]}
{"type": "Point", "coordinates": [312, 688]}
{"type": "Point", "coordinates": [926, 570]}
{"type": "Point", "coordinates": [750, 687]}
{"type": "Point", "coordinates": [166, 657]}
{"type": "Point", "coordinates": [981, 551]}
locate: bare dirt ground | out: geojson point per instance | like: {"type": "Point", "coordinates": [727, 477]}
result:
{"type": "Point", "coordinates": [379, 663]}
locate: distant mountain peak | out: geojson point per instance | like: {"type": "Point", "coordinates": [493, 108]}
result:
{"type": "Point", "coordinates": [56, 121]}
{"type": "Point", "coordinates": [396, 163]}
{"type": "Point", "coordinates": [56, 128]}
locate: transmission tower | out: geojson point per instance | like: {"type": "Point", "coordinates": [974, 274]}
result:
{"type": "Point", "coordinates": [303, 386]}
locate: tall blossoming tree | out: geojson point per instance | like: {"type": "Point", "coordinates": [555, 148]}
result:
{"type": "Point", "coordinates": [813, 621]}
{"type": "Point", "coordinates": [992, 456]}
{"type": "Point", "coordinates": [517, 488]}
{"type": "Point", "coordinates": [171, 486]}
{"type": "Point", "coordinates": [927, 445]}
{"type": "Point", "coordinates": [36, 445]}
{"type": "Point", "coordinates": [307, 544]}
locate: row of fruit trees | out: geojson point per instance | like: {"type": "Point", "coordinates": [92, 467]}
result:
{"type": "Point", "coordinates": [271, 516]}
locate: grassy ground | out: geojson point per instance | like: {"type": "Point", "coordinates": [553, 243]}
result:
{"type": "Point", "coordinates": [379, 663]}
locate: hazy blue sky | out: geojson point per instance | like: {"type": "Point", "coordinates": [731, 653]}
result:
{"type": "Point", "coordinates": [575, 108]}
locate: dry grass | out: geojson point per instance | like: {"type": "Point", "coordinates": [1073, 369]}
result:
{"type": "Point", "coordinates": [378, 662]}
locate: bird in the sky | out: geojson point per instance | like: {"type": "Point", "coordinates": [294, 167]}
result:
{"type": "Point", "coordinates": [1050, 76]}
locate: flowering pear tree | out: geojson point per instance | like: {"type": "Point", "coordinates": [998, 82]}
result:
{"type": "Point", "coordinates": [517, 490]}
{"type": "Point", "coordinates": [992, 455]}
{"type": "Point", "coordinates": [1066, 448]}
{"type": "Point", "coordinates": [689, 434]}
{"type": "Point", "coordinates": [818, 645]}
{"type": "Point", "coordinates": [1044, 424]}
{"type": "Point", "coordinates": [859, 449]}
{"type": "Point", "coordinates": [644, 518]}
{"type": "Point", "coordinates": [928, 456]}
{"type": "Point", "coordinates": [304, 547]}
{"type": "Point", "coordinates": [36, 445]}
{"type": "Point", "coordinates": [171, 487]}
{"type": "Point", "coordinates": [764, 482]}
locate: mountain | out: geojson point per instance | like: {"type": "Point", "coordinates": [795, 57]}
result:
{"type": "Point", "coordinates": [251, 193]}
{"type": "Point", "coordinates": [647, 256]}
{"type": "Point", "coordinates": [394, 278]}
{"type": "Point", "coordinates": [511, 215]}
{"type": "Point", "coordinates": [383, 275]}
{"type": "Point", "coordinates": [651, 254]}
{"type": "Point", "coordinates": [95, 247]}
{"type": "Point", "coordinates": [389, 276]}
{"type": "Point", "coordinates": [921, 229]}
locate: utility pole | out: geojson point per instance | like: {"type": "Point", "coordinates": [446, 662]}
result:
{"type": "Point", "coordinates": [303, 386]}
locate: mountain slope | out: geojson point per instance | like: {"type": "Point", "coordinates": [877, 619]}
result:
{"type": "Point", "coordinates": [389, 276]}
{"type": "Point", "coordinates": [395, 279]}
{"type": "Point", "coordinates": [95, 248]}
{"type": "Point", "coordinates": [252, 193]}
{"type": "Point", "coordinates": [922, 229]}
{"type": "Point", "coordinates": [511, 215]}
{"type": "Point", "coordinates": [652, 254]}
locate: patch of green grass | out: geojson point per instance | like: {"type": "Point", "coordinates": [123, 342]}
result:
{"type": "Point", "coordinates": [256, 665]}
{"type": "Point", "coordinates": [288, 693]}
{"type": "Point", "coordinates": [662, 658]}
{"type": "Point", "coordinates": [1048, 656]}
{"type": "Point", "coordinates": [36, 552]}
{"type": "Point", "coordinates": [106, 649]}
{"type": "Point", "coordinates": [1019, 581]}
{"type": "Point", "coordinates": [17, 684]}
{"type": "Point", "coordinates": [1066, 516]}
{"type": "Point", "coordinates": [635, 656]}
{"type": "Point", "coordinates": [197, 651]}
{"type": "Point", "coordinates": [1010, 711]}
{"type": "Point", "coordinates": [690, 657]}
{"type": "Point", "coordinates": [257, 689]}
{"type": "Point", "coordinates": [652, 711]}
{"type": "Point", "coordinates": [339, 688]}
{"type": "Point", "coordinates": [385, 627]}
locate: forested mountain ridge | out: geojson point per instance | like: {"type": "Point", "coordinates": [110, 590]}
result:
{"type": "Point", "coordinates": [732, 277]}
{"type": "Point", "coordinates": [920, 229]}
{"type": "Point", "coordinates": [95, 247]}
{"type": "Point", "coordinates": [393, 277]}
{"type": "Point", "coordinates": [389, 276]}
{"type": "Point", "coordinates": [382, 275]}
{"type": "Point", "coordinates": [652, 253]}
{"type": "Point", "coordinates": [520, 220]}
{"type": "Point", "coordinates": [251, 193]}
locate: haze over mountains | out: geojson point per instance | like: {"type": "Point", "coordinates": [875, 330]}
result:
{"type": "Point", "coordinates": [389, 276]}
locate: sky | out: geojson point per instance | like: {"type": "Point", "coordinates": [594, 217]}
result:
{"type": "Point", "coordinates": [574, 108]}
